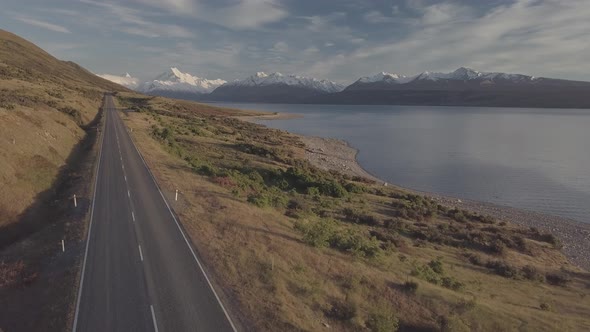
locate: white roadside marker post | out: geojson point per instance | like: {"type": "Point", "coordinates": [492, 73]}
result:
{"type": "Point", "coordinates": [75, 201]}
{"type": "Point", "coordinates": [176, 196]}
{"type": "Point", "coordinates": [63, 246]}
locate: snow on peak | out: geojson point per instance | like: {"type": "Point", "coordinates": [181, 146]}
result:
{"type": "Point", "coordinates": [175, 80]}
{"type": "Point", "coordinates": [127, 81]}
{"type": "Point", "coordinates": [386, 77]}
{"type": "Point", "coordinates": [263, 79]}
{"type": "Point", "coordinates": [460, 74]}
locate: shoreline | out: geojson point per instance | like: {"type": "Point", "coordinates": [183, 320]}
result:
{"type": "Point", "coordinates": [339, 155]}
{"type": "Point", "coordinates": [336, 154]}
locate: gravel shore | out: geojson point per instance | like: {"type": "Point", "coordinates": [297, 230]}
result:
{"type": "Point", "coordinates": [334, 154]}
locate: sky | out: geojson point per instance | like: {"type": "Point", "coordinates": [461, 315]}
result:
{"type": "Point", "coordinates": [340, 40]}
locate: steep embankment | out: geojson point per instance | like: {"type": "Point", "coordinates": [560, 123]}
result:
{"type": "Point", "coordinates": [48, 129]}
{"type": "Point", "coordinates": [44, 104]}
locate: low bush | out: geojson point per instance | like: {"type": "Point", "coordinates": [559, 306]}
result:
{"type": "Point", "coordinates": [557, 278]}
{"type": "Point", "coordinates": [426, 273]}
{"type": "Point", "coordinates": [382, 321]}
{"type": "Point", "coordinates": [410, 287]}
{"type": "Point", "coordinates": [532, 273]}
{"type": "Point", "coordinates": [437, 265]}
{"type": "Point", "coordinates": [342, 310]}
{"type": "Point", "coordinates": [545, 306]}
{"type": "Point", "coordinates": [317, 233]}
{"type": "Point", "coordinates": [504, 269]}
{"type": "Point", "coordinates": [360, 217]}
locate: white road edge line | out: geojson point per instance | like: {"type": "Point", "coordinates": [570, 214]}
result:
{"type": "Point", "coordinates": [154, 318]}
{"type": "Point", "coordinates": [125, 178]}
{"type": "Point", "coordinates": [128, 194]}
{"type": "Point", "coordinates": [140, 253]}
{"type": "Point", "coordinates": [185, 238]}
{"type": "Point", "coordinates": [133, 215]}
{"type": "Point", "coordinates": [90, 224]}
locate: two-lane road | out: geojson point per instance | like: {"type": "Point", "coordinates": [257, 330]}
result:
{"type": "Point", "coordinates": [140, 272]}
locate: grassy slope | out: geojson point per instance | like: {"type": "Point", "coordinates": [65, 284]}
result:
{"type": "Point", "coordinates": [47, 108]}
{"type": "Point", "coordinates": [43, 104]}
{"type": "Point", "coordinates": [289, 255]}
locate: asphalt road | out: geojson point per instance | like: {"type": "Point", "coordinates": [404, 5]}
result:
{"type": "Point", "coordinates": [140, 273]}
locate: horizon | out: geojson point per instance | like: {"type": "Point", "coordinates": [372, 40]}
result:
{"type": "Point", "coordinates": [344, 83]}
{"type": "Point", "coordinates": [339, 42]}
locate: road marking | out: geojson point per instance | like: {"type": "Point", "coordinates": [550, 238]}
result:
{"type": "Point", "coordinates": [154, 318]}
{"type": "Point", "coordinates": [185, 239]}
{"type": "Point", "coordinates": [89, 228]}
{"type": "Point", "coordinates": [133, 215]}
{"type": "Point", "coordinates": [125, 178]}
{"type": "Point", "coordinates": [128, 194]}
{"type": "Point", "coordinates": [140, 253]}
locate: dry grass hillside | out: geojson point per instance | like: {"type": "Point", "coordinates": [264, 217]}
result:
{"type": "Point", "coordinates": [48, 126]}
{"type": "Point", "coordinates": [295, 248]}
{"type": "Point", "coordinates": [44, 105]}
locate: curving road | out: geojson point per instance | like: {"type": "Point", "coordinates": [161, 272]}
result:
{"type": "Point", "coordinates": [140, 273]}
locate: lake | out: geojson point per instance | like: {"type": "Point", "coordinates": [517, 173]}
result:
{"type": "Point", "coordinates": [536, 159]}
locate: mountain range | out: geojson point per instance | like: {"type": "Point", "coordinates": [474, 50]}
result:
{"type": "Point", "coordinates": [462, 87]}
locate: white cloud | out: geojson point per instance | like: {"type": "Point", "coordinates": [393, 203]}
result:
{"type": "Point", "coordinates": [236, 14]}
{"type": "Point", "coordinates": [134, 22]}
{"type": "Point", "coordinates": [42, 24]}
{"type": "Point", "coordinates": [543, 38]}
{"type": "Point", "coordinates": [376, 17]}
{"type": "Point", "coordinates": [280, 47]}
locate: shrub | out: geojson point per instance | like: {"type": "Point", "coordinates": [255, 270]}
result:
{"type": "Point", "coordinates": [475, 259]}
{"type": "Point", "coordinates": [350, 241]}
{"type": "Point", "coordinates": [498, 247]}
{"type": "Point", "coordinates": [258, 200]}
{"type": "Point", "coordinates": [504, 269]}
{"type": "Point", "coordinates": [317, 234]}
{"type": "Point", "coordinates": [360, 217]}
{"type": "Point", "coordinates": [545, 306]}
{"type": "Point", "coordinates": [436, 265]}
{"type": "Point", "coordinates": [425, 272]}
{"type": "Point", "coordinates": [557, 279]}
{"type": "Point", "coordinates": [354, 188]}
{"type": "Point", "coordinates": [452, 283]}
{"type": "Point", "coordinates": [551, 239]}
{"type": "Point", "coordinates": [382, 321]}
{"type": "Point", "coordinates": [410, 287]}
{"type": "Point", "coordinates": [342, 310]}
{"type": "Point", "coordinates": [531, 273]}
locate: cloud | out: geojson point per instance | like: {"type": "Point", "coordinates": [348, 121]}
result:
{"type": "Point", "coordinates": [280, 47]}
{"type": "Point", "coordinates": [548, 38]}
{"type": "Point", "coordinates": [235, 14]}
{"type": "Point", "coordinates": [42, 24]}
{"type": "Point", "coordinates": [375, 17]}
{"type": "Point", "coordinates": [134, 22]}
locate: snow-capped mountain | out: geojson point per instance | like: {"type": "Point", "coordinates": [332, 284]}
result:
{"type": "Point", "coordinates": [386, 77]}
{"type": "Point", "coordinates": [461, 76]}
{"type": "Point", "coordinates": [127, 81]}
{"type": "Point", "coordinates": [462, 87]}
{"type": "Point", "coordinates": [173, 80]}
{"type": "Point", "coordinates": [274, 88]}
{"type": "Point", "coordinates": [466, 74]}
{"type": "Point", "coordinates": [263, 79]}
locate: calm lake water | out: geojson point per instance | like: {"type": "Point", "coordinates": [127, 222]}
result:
{"type": "Point", "coordinates": [536, 159]}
